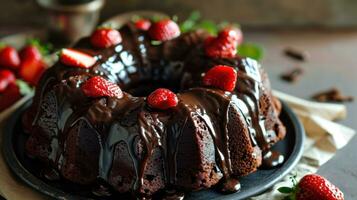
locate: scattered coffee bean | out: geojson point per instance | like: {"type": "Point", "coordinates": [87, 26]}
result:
{"type": "Point", "coordinates": [292, 75]}
{"type": "Point", "coordinates": [296, 54]}
{"type": "Point", "coordinates": [332, 95]}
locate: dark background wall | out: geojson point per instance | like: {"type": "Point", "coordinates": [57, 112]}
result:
{"type": "Point", "coordinates": [331, 13]}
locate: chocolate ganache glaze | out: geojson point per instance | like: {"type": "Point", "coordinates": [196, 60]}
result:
{"type": "Point", "coordinates": [124, 146]}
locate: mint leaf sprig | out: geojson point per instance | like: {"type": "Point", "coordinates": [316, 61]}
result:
{"type": "Point", "coordinates": [251, 50]}
{"type": "Point", "coordinates": [290, 191]}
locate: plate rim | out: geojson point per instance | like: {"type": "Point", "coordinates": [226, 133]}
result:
{"type": "Point", "coordinates": [39, 185]}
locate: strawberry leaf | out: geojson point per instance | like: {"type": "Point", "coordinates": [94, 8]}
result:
{"type": "Point", "coordinates": [156, 18]}
{"type": "Point", "coordinates": [44, 48]}
{"type": "Point", "coordinates": [190, 22]}
{"type": "Point", "coordinates": [285, 190]}
{"type": "Point", "coordinates": [136, 18]}
{"type": "Point", "coordinates": [155, 42]}
{"type": "Point", "coordinates": [194, 22]}
{"type": "Point", "coordinates": [251, 50]}
{"type": "Point", "coordinates": [209, 26]}
{"type": "Point", "coordinates": [174, 18]}
{"type": "Point", "coordinates": [2, 45]}
{"type": "Point", "coordinates": [25, 88]}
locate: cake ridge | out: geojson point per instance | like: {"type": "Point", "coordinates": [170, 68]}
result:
{"type": "Point", "coordinates": [143, 150]}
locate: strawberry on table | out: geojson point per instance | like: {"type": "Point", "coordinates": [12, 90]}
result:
{"type": "Point", "coordinates": [164, 30]}
{"type": "Point", "coordinates": [99, 87]}
{"type": "Point", "coordinates": [74, 58]}
{"type": "Point", "coordinates": [222, 77]}
{"type": "Point", "coordinates": [9, 58]}
{"type": "Point", "coordinates": [9, 96]}
{"type": "Point", "coordinates": [162, 99]}
{"type": "Point", "coordinates": [6, 78]}
{"type": "Point", "coordinates": [105, 37]}
{"type": "Point", "coordinates": [312, 187]}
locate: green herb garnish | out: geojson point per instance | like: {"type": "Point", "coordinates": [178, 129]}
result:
{"type": "Point", "coordinates": [44, 48]}
{"type": "Point", "coordinates": [251, 50]}
{"type": "Point", "coordinates": [25, 88]}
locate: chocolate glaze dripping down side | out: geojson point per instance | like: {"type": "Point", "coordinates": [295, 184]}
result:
{"type": "Point", "coordinates": [128, 64]}
{"type": "Point", "coordinates": [212, 106]}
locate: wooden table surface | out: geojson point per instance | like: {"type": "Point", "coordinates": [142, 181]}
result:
{"type": "Point", "coordinates": [333, 62]}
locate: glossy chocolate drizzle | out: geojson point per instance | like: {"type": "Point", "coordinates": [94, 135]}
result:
{"type": "Point", "coordinates": [133, 63]}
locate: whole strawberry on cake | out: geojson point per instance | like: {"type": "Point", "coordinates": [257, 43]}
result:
{"type": "Point", "coordinates": [148, 111]}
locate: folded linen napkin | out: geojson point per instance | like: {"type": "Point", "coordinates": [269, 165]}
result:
{"type": "Point", "coordinates": [324, 137]}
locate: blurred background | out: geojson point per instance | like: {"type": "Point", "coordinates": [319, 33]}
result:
{"type": "Point", "coordinates": [250, 13]}
{"type": "Point", "coordinates": [324, 31]}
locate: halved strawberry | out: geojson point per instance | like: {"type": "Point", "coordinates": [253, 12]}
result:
{"type": "Point", "coordinates": [10, 95]}
{"type": "Point", "coordinates": [163, 30]}
{"type": "Point", "coordinates": [105, 37]}
{"type": "Point", "coordinates": [222, 77]}
{"type": "Point", "coordinates": [143, 24]}
{"type": "Point", "coordinates": [9, 58]}
{"type": "Point", "coordinates": [6, 78]}
{"type": "Point", "coordinates": [31, 70]}
{"type": "Point", "coordinates": [99, 87]}
{"type": "Point", "coordinates": [76, 58]}
{"type": "Point", "coordinates": [162, 99]}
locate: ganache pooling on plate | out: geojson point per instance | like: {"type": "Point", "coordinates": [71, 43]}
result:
{"type": "Point", "coordinates": [211, 137]}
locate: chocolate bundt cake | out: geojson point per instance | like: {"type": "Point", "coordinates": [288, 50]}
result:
{"type": "Point", "coordinates": [92, 122]}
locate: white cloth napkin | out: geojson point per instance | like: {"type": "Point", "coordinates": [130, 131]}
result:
{"type": "Point", "coordinates": [323, 137]}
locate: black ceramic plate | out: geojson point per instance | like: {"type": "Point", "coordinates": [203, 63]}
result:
{"type": "Point", "coordinates": [27, 170]}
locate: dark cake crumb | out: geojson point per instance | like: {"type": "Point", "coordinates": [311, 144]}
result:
{"type": "Point", "coordinates": [292, 75]}
{"type": "Point", "coordinates": [332, 95]}
{"type": "Point", "coordinates": [296, 54]}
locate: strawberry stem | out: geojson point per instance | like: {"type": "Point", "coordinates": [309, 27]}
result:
{"type": "Point", "coordinates": [44, 48]}
{"type": "Point", "coordinates": [292, 191]}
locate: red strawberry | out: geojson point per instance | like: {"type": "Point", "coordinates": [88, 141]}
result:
{"type": "Point", "coordinates": [312, 187]}
{"type": "Point", "coordinates": [163, 30]}
{"type": "Point", "coordinates": [9, 58]}
{"type": "Point", "coordinates": [219, 48]}
{"type": "Point", "coordinates": [225, 44]}
{"type": "Point", "coordinates": [222, 77]}
{"type": "Point", "coordinates": [6, 78]}
{"type": "Point", "coordinates": [30, 52]}
{"type": "Point", "coordinates": [31, 70]}
{"type": "Point", "coordinates": [76, 58]}
{"type": "Point", "coordinates": [231, 34]}
{"type": "Point", "coordinates": [105, 37]}
{"type": "Point", "coordinates": [162, 99]}
{"type": "Point", "coordinates": [143, 24]}
{"type": "Point", "coordinates": [9, 96]}
{"type": "Point", "coordinates": [100, 87]}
